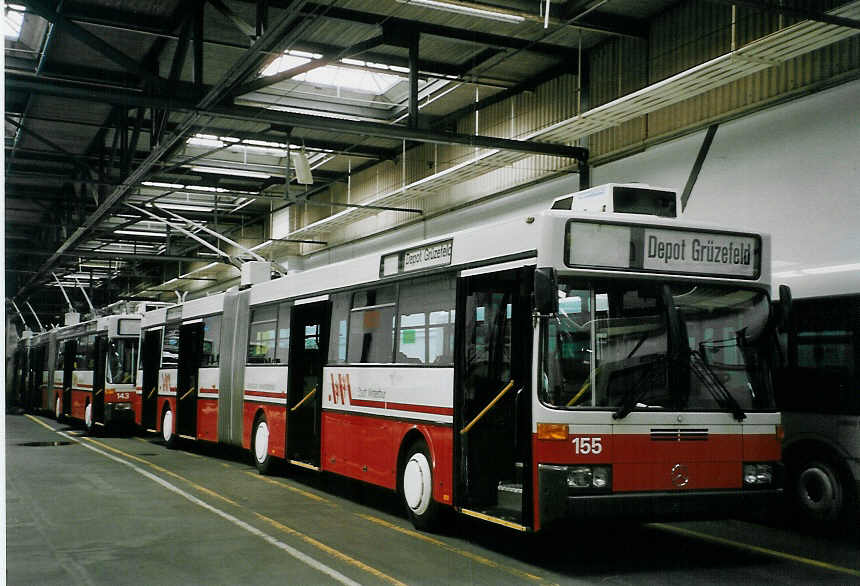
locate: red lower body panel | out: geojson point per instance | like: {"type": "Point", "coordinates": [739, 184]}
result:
{"type": "Point", "coordinates": [366, 448]}
{"type": "Point", "coordinates": [276, 419]}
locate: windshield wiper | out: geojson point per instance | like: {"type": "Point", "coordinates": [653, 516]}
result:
{"type": "Point", "coordinates": [715, 386]}
{"type": "Point", "coordinates": [637, 391]}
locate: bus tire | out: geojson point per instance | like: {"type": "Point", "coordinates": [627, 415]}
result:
{"type": "Point", "coordinates": [170, 438]}
{"type": "Point", "coordinates": [416, 487]}
{"type": "Point", "coordinates": [822, 493]}
{"type": "Point", "coordinates": [89, 422]}
{"type": "Point", "coordinates": [260, 445]}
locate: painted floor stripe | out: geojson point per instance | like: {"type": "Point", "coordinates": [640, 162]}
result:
{"type": "Point", "coordinates": [757, 549]}
{"type": "Point", "coordinates": [317, 565]}
{"type": "Point", "coordinates": [320, 566]}
{"type": "Point", "coordinates": [441, 544]}
{"type": "Point", "coordinates": [304, 493]}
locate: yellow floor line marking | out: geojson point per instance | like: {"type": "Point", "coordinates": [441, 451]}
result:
{"type": "Point", "coordinates": [298, 534]}
{"type": "Point", "coordinates": [310, 495]}
{"type": "Point", "coordinates": [40, 422]}
{"type": "Point", "coordinates": [202, 489]}
{"type": "Point", "coordinates": [472, 556]}
{"type": "Point", "coordinates": [330, 550]}
{"type": "Point", "coordinates": [757, 549]}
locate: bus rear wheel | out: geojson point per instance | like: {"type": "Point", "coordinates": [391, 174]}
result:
{"type": "Point", "coordinates": [416, 487]}
{"type": "Point", "coordinates": [260, 445]}
{"type": "Point", "coordinates": [167, 429]}
{"type": "Point", "coordinates": [821, 491]}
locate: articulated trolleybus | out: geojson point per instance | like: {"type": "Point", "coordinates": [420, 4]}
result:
{"type": "Point", "coordinates": [598, 359]}
{"type": "Point", "coordinates": [81, 371]}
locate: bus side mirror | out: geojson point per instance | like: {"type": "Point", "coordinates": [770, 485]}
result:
{"type": "Point", "coordinates": [785, 303]}
{"type": "Point", "coordinates": [546, 291]}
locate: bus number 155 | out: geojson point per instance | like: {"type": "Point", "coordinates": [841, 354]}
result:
{"type": "Point", "coordinates": [587, 445]}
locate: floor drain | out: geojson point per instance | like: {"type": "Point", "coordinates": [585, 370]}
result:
{"type": "Point", "coordinates": [44, 444]}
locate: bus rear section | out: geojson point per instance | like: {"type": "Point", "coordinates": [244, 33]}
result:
{"type": "Point", "coordinates": [817, 390]}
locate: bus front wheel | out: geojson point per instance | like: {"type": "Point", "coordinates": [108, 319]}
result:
{"type": "Point", "coordinates": [260, 445]}
{"type": "Point", "coordinates": [416, 487]}
{"type": "Point", "coordinates": [167, 429]}
{"type": "Point", "coordinates": [821, 491]}
{"type": "Point", "coordinates": [89, 422]}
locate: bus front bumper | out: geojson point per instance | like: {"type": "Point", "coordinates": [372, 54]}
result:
{"type": "Point", "coordinates": [557, 503]}
{"type": "Point", "coordinates": [119, 414]}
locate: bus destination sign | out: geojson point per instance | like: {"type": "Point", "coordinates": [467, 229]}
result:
{"type": "Point", "coordinates": [419, 258]}
{"type": "Point", "coordinates": [665, 250]}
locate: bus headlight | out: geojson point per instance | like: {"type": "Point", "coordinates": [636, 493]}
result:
{"type": "Point", "coordinates": [588, 478]}
{"type": "Point", "coordinates": [758, 474]}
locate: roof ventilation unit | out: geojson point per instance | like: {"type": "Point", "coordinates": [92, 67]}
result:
{"type": "Point", "coordinates": [256, 271]}
{"type": "Point", "coordinates": [627, 198]}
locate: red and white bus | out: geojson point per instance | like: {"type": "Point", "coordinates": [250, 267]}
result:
{"type": "Point", "coordinates": [602, 358]}
{"type": "Point", "coordinates": [92, 366]}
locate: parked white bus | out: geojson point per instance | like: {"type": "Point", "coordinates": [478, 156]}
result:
{"type": "Point", "coordinates": [601, 358]}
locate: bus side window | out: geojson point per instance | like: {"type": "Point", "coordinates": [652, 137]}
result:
{"type": "Point", "coordinates": [426, 331]}
{"type": "Point", "coordinates": [337, 333]}
{"type": "Point", "coordinates": [371, 326]}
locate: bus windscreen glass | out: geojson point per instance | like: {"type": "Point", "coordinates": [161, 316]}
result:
{"type": "Point", "coordinates": [611, 342]}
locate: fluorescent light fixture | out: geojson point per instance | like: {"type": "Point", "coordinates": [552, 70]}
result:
{"type": "Point", "coordinates": [183, 207]}
{"type": "Point", "coordinates": [236, 172]}
{"type": "Point", "coordinates": [467, 10]}
{"type": "Point", "coordinates": [140, 233]}
{"type": "Point", "coordinates": [162, 184]}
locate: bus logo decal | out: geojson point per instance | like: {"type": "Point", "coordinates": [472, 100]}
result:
{"type": "Point", "coordinates": [340, 389]}
{"type": "Point", "coordinates": [680, 475]}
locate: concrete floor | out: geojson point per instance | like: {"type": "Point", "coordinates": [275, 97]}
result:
{"type": "Point", "coordinates": [126, 510]}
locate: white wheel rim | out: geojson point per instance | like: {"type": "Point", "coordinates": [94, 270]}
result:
{"type": "Point", "coordinates": [57, 409]}
{"type": "Point", "coordinates": [88, 415]}
{"type": "Point", "coordinates": [417, 483]}
{"type": "Point", "coordinates": [167, 426]}
{"type": "Point", "coordinates": [261, 442]}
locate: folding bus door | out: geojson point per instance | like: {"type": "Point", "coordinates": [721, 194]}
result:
{"type": "Point", "coordinates": [492, 420]}
{"type": "Point", "coordinates": [69, 352]}
{"type": "Point", "coordinates": [309, 327]}
{"type": "Point", "coordinates": [100, 348]}
{"type": "Point", "coordinates": [190, 348]}
{"type": "Point", "coordinates": [150, 360]}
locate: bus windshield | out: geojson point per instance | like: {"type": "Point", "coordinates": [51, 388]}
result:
{"type": "Point", "coordinates": [611, 344]}
{"type": "Point", "coordinates": [121, 362]}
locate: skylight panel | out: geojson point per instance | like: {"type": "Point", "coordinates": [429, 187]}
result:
{"type": "Point", "coordinates": [336, 76]}
{"type": "Point", "coordinates": [13, 20]}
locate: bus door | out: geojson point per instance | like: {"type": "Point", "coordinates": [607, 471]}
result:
{"type": "Point", "coordinates": [190, 348]}
{"type": "Point", "coordinates": [101, 349]}
{"type": "Point", "coordinates": [68, 367]}
{"type": "Point", "coordinates": [309, 327]}
{"type": "Point", "coordinates": [151, 360]}
{"type": "Point", "coordinates": [492, 407]}
{"type": "Point", "coordinates": [34, 386]}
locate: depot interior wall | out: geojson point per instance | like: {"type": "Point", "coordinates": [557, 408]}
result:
{"type": "Point", "coordinates": [790, 170]}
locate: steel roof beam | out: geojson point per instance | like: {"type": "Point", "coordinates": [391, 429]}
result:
{"type": "Point", "coordinates": [46, 11]}
{"type": "Point", "coordinates": [247, 113]}
{"type": "Point", "coordinates": [280, 34]}
{"type": "Point", "coordinates": [816, 15]}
